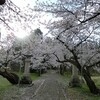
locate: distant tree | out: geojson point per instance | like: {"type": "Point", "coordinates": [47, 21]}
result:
{"type": "Point", "coordinates": [38, 32]}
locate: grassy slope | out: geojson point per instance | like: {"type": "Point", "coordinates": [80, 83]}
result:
{"type": "Point", "coordinates": [82, 93]}
{"type": "Point", "coordinates": [5, 85]}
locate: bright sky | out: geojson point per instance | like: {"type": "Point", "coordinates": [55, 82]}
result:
{"type": "Point", "coordinates": [21, 33]}
{"type": "Point", "coordinates": [23, 3]}
{"type": "Point", "coordinates": [44, 19]}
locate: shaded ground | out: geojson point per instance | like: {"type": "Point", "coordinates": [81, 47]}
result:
{"type": "Point", "coordinates": [48, 87]}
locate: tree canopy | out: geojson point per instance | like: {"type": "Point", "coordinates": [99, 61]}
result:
{"type": "Point", "coordinates": [74, 27]}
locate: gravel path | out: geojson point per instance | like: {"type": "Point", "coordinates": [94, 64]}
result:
{"type": "Point", "coordinates": [48, 87]}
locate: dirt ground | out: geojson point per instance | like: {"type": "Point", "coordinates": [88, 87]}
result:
{"type": "Point", "coordinates": [48, 87]}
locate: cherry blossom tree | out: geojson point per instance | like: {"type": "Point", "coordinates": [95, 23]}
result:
{"type": "Point", "coordinates": [6, 56]}
{"type": "Point", "coordinates": [75, 27]}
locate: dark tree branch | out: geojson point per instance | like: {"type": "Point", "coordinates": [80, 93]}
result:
{"type": "Point", "coordinates": [81, 22]}
{"type": "Point", "coordinates": [95, 63]}
{"type": "Point", "coordinates": [82, 41]}
{"type": "Point", "coordinates": [89, 59]}
{"type": "Point", "coordinates": [90, 18]}
{"type": "Point", "coordinates": [6, 24]}
{"type": "Point", "coordinates": [56, 56]}
{"type": "Point", "coordinates": [65, 60]}
{"type": "Point", "coordinates": [67, 47]}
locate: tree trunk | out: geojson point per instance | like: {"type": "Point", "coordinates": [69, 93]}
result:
{"type": "Point", "coordinates": [90, 83]}
{"type": "Point", "coordinates": [11, 77]}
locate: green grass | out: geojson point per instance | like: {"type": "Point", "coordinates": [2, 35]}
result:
{"type": "Point", "coordinates": [33, 76]}
{"type": "Point", "coordinates": [96, 80]}
{"type": "Point", "coordinates": [5, 85]}
{"type": "Point", "coordinates": [82, 93]}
